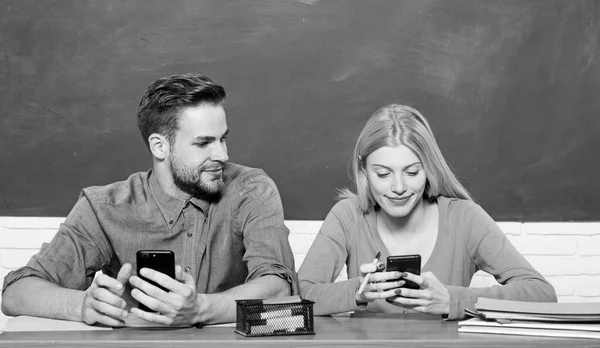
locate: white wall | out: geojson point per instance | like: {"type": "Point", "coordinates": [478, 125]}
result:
{"type": "Point", "coordinates": [567, 253]}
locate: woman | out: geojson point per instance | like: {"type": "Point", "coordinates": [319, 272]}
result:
{"type": "Point", "coordinates": [408, 201]}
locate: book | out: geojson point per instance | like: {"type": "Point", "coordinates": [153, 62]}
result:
{"type": "Point", "coordinates": [506, 316]}
{"type": "Point", "coordinates": [505, 311]}
{"type": "Point", "coordinates": [551, 319]}
{"type": "Point", "coordinates": [528, 328]}
{"type": "Point", "coordinates": [545, 308]}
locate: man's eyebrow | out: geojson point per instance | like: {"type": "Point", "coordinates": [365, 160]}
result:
{"type": "Point", "coordinates": [388, 168]}
{"type": "Point", "coordinates": [207, 138]}
{"type": "Point", "coordinates": [204, 138]}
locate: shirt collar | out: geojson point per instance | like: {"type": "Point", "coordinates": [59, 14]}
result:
{"type": "Point", "coordinates": [171, 207]}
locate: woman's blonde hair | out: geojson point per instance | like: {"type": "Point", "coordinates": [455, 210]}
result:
{"type": "Point", "coordinates": [395, 125]}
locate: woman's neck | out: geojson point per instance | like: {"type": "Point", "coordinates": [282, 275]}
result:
{"type": "Point", "coordinates": [414, 234]}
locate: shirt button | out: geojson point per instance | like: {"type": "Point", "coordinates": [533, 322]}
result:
{"type": "Point", "coordinates": [187, 269]}
{"type": "Point", "coordinates": [189, 234]}
{"type": "Point", "coordinates": [170, 222]}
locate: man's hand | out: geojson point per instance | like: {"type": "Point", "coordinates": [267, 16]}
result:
{"type": "Point", "coordinates": [378, 287]}
{"type": "Point", "coordinates": [179, 306]}
{"type": "Point", "coordinates": [103, 302]}
{"type": "Point", "coordinates": [431, 298]}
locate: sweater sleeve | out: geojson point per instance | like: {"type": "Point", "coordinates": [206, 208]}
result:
{"type": "Point", "coordinates": [323, 263]}
{"type": "Point", "coordinates": [492, 252]}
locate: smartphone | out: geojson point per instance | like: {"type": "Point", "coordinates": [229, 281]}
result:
{"type": "Point", "coordinates": [405, 263]}
{"type": "Point", "coordinates": [162, 261]}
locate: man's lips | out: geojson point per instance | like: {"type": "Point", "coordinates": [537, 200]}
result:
{"type": "Point", "coordinates": [213, 170]}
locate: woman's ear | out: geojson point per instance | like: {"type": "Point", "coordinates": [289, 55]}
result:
{"type": "Point", "coordinates": [159, 146]}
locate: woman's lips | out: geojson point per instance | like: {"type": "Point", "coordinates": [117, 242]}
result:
{"type": "Point", "coordinates": [398, 200]}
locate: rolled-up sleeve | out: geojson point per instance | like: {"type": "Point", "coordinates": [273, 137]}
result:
{"type": "Point", "coordinates": [265, 236]}
{"type": "Point", "coordinates": [73, 256]}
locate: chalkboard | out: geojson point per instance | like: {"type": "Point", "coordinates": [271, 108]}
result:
{"type": "Point", "coordinates": [512, 90]}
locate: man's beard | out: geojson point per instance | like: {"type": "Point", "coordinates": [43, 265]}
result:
{"type": "Point", "coordinates": [189, 179]}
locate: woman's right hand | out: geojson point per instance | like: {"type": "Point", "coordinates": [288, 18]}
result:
{"type": "Point", "coordinates": [378, 287]}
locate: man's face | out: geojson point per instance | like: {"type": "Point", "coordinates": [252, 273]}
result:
{"type": "Point", "coordinates": [199, 151]}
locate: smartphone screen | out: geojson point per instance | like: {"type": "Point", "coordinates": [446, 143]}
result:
{"type": "Point", "coordinates": [159, 260]}
{"type": "Point", "coordinates": [405, 263]}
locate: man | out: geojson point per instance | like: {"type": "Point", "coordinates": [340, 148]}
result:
{"type": "Point", "coordinates": [223, 221]}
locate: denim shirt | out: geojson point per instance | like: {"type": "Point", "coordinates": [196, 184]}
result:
{"type": "Point", "coordinates": [222, 244]}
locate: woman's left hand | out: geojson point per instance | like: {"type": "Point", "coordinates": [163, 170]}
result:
{"type": "Point", "coordinates": [431, 298]}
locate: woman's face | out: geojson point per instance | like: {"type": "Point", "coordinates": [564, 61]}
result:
{"type": "Point", "coordinates": [396, 178]}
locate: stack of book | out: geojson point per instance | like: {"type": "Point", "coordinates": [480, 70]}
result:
{"type": "Point", "coordinates": [578, 320]}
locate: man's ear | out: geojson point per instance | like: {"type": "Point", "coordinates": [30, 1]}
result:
{"type": "Point", "coordinates": [159, 146]}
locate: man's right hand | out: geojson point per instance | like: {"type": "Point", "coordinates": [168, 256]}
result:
{"type": "Point", "coordinates": [103, 302]}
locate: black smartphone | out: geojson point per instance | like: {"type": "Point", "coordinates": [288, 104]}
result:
{"type": "Point", "coordinates": [405, 263]}
{"type": "Point", "coordinates": [162, 261]}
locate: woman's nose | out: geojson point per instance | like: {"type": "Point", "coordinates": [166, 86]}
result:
{"type": "Point", "coordinates": [398, 186]}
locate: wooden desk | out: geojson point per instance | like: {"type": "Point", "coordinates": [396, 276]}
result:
{"type": "Point", "coordinates": [373, 330]}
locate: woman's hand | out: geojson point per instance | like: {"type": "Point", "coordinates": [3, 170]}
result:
{"type": "Point", "coordinates": [378, 287]}
{"type": "Point", "coordinates": [431, 298]}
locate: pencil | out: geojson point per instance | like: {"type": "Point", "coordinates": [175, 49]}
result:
{"type": "Point", "coordinates": [368, 275]}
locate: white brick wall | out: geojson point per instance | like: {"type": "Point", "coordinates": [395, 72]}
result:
{"type": "Point", "coordinates": [568, 253]}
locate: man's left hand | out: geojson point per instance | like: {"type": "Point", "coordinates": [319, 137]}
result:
{"type": "Point", "coordinates": [179, 306]}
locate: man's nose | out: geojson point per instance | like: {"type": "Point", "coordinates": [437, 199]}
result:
{"type": "Point", "coordinates": [220, 153]}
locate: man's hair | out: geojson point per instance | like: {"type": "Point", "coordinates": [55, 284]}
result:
{"type": "Point", "coordinates": [395, 125]}
{"type": "Point", "coordinates": [160, 106]}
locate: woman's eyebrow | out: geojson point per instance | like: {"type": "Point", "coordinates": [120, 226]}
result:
{"type": "Point", "coordinates": [388, 168]}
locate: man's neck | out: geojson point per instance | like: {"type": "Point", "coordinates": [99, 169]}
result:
{"type": "Point", "coordinates": [167, 184]}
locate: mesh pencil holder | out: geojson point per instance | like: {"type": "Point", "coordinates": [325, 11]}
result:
{"type": "Point", "coordinates": [257, 319]}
